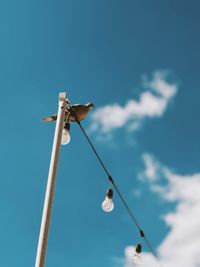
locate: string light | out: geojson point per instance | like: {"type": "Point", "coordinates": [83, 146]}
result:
{"type": "Point", "coordinates": [136, 257]}
{"type": "Point", "coordinates": [107, 204]}
{"type": "Point", "coordinates": [65, 134]}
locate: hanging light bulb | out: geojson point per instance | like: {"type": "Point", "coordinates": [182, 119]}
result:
{"type": "Point", "coordinates": [107, 204]}
{"type": "Point", "coordinates": [65, 134]}
{"type": "Point", "coordinates": [137, 257]}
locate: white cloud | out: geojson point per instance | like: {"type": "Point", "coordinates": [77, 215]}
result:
{"type": "Point", "coordinates": [181, 246]}
{"type": "Point", "coordinates": [151, 168]}
{"type": "Point", "coordinates": [152, 103]}
{"type": "Point", "coordinates": [159, 84]}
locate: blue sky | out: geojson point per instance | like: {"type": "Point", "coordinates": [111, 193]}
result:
{"type": "Point", "coordinates": [107, 52]}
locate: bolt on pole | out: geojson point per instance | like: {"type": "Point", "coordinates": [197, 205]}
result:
{"type": "Point", "coordinates": [48, 203]}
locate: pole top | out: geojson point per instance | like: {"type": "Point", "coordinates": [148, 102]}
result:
{"type": "Point", "coordinates": [62, 96]}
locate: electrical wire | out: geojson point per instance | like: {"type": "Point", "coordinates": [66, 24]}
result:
{"type": "Point", "coordinates": [130, 212]}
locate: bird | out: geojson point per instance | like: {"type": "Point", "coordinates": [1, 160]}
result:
{"type": "Point", "coordinates": [76, 112]}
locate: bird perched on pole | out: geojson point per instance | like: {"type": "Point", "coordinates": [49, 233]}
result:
{"type": "Point", "coordinates": [73, 113]}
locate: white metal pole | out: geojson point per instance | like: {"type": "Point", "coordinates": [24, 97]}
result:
{"type": "Point", "coordinates": [46, 216]}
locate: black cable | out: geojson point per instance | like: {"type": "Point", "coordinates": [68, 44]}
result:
{"type": "Point", "coordinates": [93, 148]}
{"type": "Point", "coordinates": [109, 176]}
{"type": "Point", "coordinates": [141, 232]}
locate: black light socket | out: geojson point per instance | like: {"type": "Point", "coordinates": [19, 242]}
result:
{"type": "Point", "coordinates": [67, 126]}
{"type": "Point", "coordinates": [109, 193]}
{"type": "Point", "coordinates": [138, 248]}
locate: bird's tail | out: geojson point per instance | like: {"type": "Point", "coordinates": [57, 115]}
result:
{"type": "Point", "coordinates": [50, 118]}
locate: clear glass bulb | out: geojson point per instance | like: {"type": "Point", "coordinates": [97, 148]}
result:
{"type": "Point", "coordinates": [65, 137]}
{"type": "Point", "coordinates": [137, 259]}
{"type": "Point", "coordinates": [107, 204]}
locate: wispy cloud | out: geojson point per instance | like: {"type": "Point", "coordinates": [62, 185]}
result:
{"type": "Point", "coordinates": [181, 246]}
{"type": "Point", "coordinates": [151, 168]}
{"type": "Point", "coordinates": [152, 103]}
